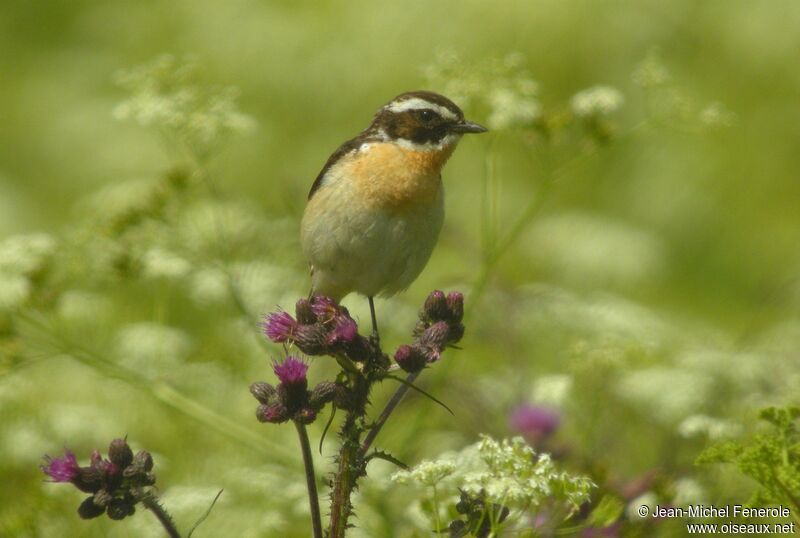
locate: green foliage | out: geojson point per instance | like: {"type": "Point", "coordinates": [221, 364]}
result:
{"type": "Point", "coordinates": [771, 459]}
{"type": "Point", "coordinates": [608, 510]}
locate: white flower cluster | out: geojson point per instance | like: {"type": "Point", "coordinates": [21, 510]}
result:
{"type": "Point", "coordinates": [21, 257]}
{"type": "Point", "coordinates": [428, 473]}
{"type": "Point", "coordinates": [669, 394]}
{"type": "Point", "coordinates": [651, 72]}
{"type": "Point", "coordinates": [84, 307]}
{"type": "Point", "coordinates": [161, 263]}
{"type": "Point", "coordinates": [151, 348]}
{"type": "Point", "coordinates": [516, 475]}
{"type": "Point", "coordinates": [597, 101]}
{"type": "Point", "coordinates": [577, 247]}
{"type": "Point", "coordinates": [717, 115]}
{"type": "Point", "coordinates": [552, 389]}
{"type": "Point", "coordinates": [687, 491]}
{"type": "Point", "coordinates": [714, 428]}
{"type": "Point", "coordinates": [509, 471]}
{"type": "Point", "coordinates": [166, 94]}
{"type": "Point", "coordinates": [123, 199]}
{"type": "Point", "coordinates": [500, 86]}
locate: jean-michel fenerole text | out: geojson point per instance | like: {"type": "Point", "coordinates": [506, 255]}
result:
{"type": "Point", "coordinates": [735, 510]}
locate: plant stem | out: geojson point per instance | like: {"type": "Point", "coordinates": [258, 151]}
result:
{"type": "Point", "coordinates": [384, 416]}
{"type": "Point", "coordinates": [350, 466]}
{"type": "Point", "coordinates": [436, 511]}
{"type": "Point", "coordinates": [311, 479]}
{"type": "Point", "coordinates": [152, 504]}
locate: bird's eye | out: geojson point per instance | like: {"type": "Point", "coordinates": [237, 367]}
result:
{"type": "Point", "coordinates": [427, 115]}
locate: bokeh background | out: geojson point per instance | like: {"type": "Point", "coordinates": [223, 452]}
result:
{"type": "Point", "coordinates": [630, 255]}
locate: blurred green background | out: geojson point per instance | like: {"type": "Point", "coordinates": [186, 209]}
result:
{"type": "Point", "coordinates": [636, 268]}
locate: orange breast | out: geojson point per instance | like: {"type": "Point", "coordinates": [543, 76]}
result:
{"type": "Point", "coordinates": [393, 178]}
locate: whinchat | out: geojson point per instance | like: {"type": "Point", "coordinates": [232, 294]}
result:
{"type": "Point", "coordinates": [375, 210]}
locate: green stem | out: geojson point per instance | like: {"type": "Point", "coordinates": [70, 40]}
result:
{"type": "Point", "coordinates": [436, 519]}
{"type": "Point", "coordinates": [345, 478]}
{"type": "Point", "coordinates": [351, 463]}
{"type": "Point", "coordinates": [311, 479]}
{"type": "Point", "coordinates": [152, 504]}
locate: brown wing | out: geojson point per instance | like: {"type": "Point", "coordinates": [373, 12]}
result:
{"type": "Point", "coordinates": [348, 147]}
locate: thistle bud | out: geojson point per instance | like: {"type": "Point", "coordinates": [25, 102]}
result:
{"type": "Point", "coordinates": [436, 336]}
{"type": "Point", "coordinates": [274, 413]}
{"type": "Point", "coordinates": [120, 509]}
{"type": "Point", "coordinates": [142, 463]}
{"type": "Point", "coordinates": [143, 459]}
{"type": "Point", "coordinates": [455, 305]}
{"type": "Point", "coordinates": [311, 339]}
{"type": "Point", "coordinates": [410, 358]}
{"type": "Point", "coordinates": [263, 392]}
{"type": "Point", "coordinates": [456, 333]}
{"type": "Point", "coordinates": [305, 312]}
{"type": "Point", "coordinates": [89, 510]}
{"type": "Point", "coordinates": [89, 479]}
{"type": "Point", "coordinates": [435, 307]}
{"type": "Point", "coordinates": [324, 392]}
{"type": "Point", "coordinates": [120, 453]}
{"type": "Point", "coordinates": [358, 350]}
{"type": "Point", "coordinates": [102, 498]}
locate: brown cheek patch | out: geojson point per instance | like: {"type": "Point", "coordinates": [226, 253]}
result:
{"type": "Point", "coordinates": [395, 179]}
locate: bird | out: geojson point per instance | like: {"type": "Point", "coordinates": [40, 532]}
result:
{"type": "Point", "coordinates": [375, 210]}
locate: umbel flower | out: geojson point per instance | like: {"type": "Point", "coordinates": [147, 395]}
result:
{"type": "Point", "coordinates": [116, 484]}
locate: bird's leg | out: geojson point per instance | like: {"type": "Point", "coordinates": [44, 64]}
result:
{"type": "Point", "coordinates": [375, 336]}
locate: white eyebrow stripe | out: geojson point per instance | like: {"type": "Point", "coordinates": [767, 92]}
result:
{"type": "Point", "coordinates": [417, 103]}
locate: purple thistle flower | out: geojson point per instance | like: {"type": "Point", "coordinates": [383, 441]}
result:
{"type": "Point", "coordinates": [535, 422]}
{"type": "Point", "coordinates": [280, 326]}
{"type": "Point", "coordinates": [291, 371]}
{"type": "Point", "coordinates": [344, 332]}
{"type": "Point", "coordinates": [326, 309]}
{"type": "Point", "coordinates": [61, 469]}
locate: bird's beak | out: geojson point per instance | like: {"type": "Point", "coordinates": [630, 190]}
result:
{"type": "Point", "coordinates": [468, 127]}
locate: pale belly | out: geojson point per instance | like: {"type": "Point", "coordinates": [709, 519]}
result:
{"type": "Point", "coordinates": [372, 251]}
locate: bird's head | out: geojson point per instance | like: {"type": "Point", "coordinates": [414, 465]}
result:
{"type": "Point", "coordinates": [422, 120]}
